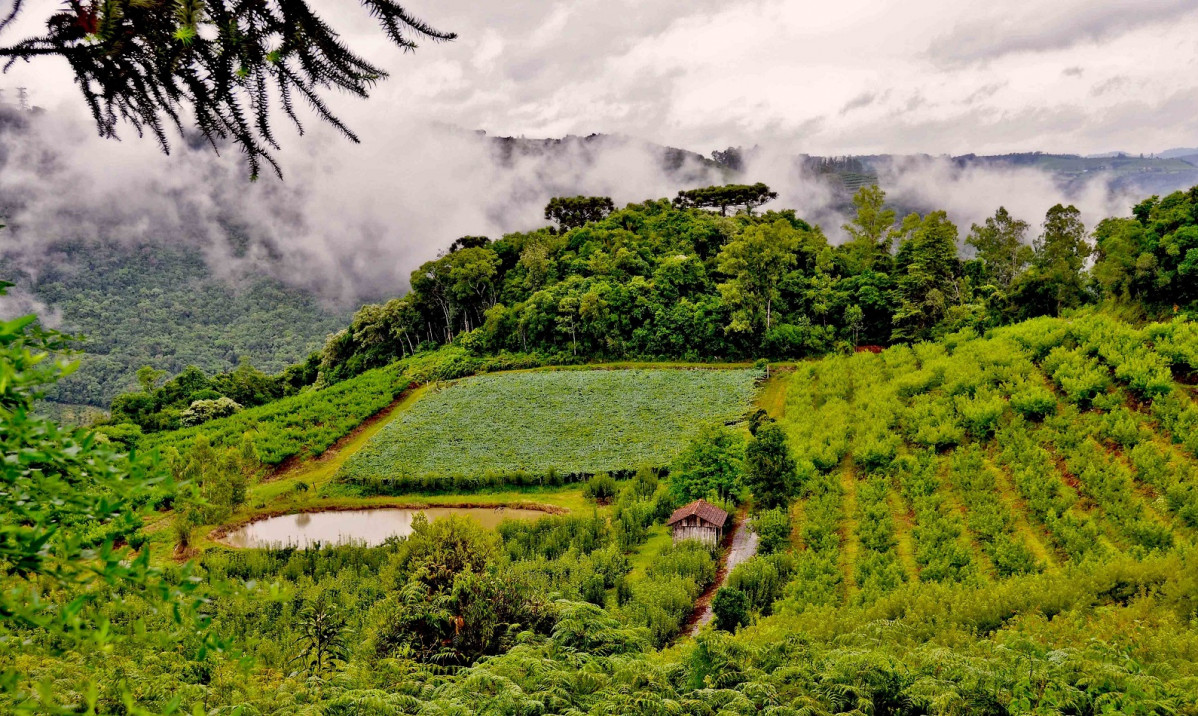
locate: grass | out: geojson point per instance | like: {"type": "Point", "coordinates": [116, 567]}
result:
{"type": "Point", "coordinates": [905, 542]}
{"type": "Point", "coordinates": [850, 546]}
{"type": "Point", "coordinates": [571, 421]}
{"type": "Point", "coordinates": [659, 539]}
{"type": "Point", "coordinates": [772, 396]}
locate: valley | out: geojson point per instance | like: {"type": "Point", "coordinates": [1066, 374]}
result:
{"type": "Point", "coordinates": [996, 488]}
{"type": "Point", "coordinates": [411, 358]}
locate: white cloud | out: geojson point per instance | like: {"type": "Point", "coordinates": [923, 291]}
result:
{"type": "Point", "coordinates": [945, 76]}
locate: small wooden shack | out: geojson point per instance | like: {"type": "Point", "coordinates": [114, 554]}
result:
{"type": "Point", "coordinates": [699, 520]}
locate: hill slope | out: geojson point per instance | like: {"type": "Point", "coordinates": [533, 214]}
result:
{"type": "Point", "coordinates": [161, 305]}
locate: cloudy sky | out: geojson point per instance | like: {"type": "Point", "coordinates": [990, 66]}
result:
{"type": "Point", "coordinates": [832, 78]}
{"type": "Point", "coordinates": [852, 76]}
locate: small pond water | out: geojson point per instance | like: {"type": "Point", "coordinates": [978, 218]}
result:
{"type": "Point", "coordinates": [370, 527]}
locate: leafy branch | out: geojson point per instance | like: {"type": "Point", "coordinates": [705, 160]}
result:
{"type": "Point", "coordinates": [220, 63]}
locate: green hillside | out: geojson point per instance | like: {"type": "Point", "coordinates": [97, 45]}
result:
{"type": "Point", "coordinates": [159, 304]}
{"type": "Point", "coordinates": [960, 486]}
{"type": "Point", "coordinates": [1044, 444]}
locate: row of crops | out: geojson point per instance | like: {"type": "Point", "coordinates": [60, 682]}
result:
{"type": "Point", "coordinates": [307, 424]}
{"type": "Point", "coordinates": [543, 427]}
{"type": "Point", "coordinates": [300, 426]}
{"type": "Point", "coordinates": [980, 458]}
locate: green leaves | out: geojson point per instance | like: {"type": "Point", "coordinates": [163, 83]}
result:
{"type": "Point", "coordinates": [571, 421]}
{"type": "Point", "coordinates": [152, 63]}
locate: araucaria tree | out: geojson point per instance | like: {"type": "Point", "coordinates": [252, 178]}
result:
{"type": "Point", "coordinates": [573, 211]}
{"type": "Point", "coordinates": [162, 63]}
{"type": "Point", "coordinates": [750, 196]}
{"type": "Point", "coordinates": [757, 262]}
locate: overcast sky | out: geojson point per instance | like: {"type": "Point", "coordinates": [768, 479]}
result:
{"type": "Point", "coordinates": [850, 76]}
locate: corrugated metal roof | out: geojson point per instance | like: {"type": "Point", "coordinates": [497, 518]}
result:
{"type": "Point", "coordinates": [703, 509]}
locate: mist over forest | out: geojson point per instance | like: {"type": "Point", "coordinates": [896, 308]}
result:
{"type": "Point", "coordinates": [318, 230]}
{"type": "Point", "coordinates": [754, 357]}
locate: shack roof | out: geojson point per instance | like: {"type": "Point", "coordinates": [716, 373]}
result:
{"type": "Point", "coordinates": [703, 509]}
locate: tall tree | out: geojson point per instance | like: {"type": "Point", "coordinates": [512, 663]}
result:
{"type": "Point", "coordinates": [710, 465]}
{"type": "Point", "coordinates": [750, 196]}
{"type": "Point", "coordinates": [214, 63]}
{"type": "Point", "coordinates": [770, 470]}
{"type": "Point", "coordinates": [570, 212]}
{"type": "Point", "coordinates": [870, 230]}
{"type": "Point", "coordinates": [1060, 255]}
{"type": "Point", "coordinates": [757, 261]}
{"type": "Point", "coordinates": [1125, 267]}
{"type": "Point", "coordinates": [1001, 246]}
{"type": "Point", "coordinates": [927, 268]}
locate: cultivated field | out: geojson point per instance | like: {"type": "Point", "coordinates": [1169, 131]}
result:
{"type": "Point", "coordinates": [976, 459]}
{"type": "Point", "coordinates": [303, 425]}
{"type": "Point", "coordinates": [568, 422]}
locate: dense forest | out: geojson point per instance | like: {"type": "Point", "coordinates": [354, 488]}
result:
{"type": "Point", "coordinates": [676, 280]}
{"type": "Point", "coordinates": [160, 304]}
{"type": "Point", "coordinates": [968, 459]}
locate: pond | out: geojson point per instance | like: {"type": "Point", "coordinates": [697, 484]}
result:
{"type": "Point", "coordinates": [370, 527]}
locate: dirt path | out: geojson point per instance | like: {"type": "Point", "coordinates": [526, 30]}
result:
{"type": "Point", "coordinates": [741, 545]}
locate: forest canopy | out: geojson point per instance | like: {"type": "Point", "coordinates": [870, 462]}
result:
{"type": "Point", "coordinates": [656, 281]}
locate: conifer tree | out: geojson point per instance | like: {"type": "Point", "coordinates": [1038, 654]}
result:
{"type": "Point", "coordinates": [162, 63]}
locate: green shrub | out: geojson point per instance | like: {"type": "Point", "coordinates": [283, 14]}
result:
{"type": "Point", "coordinates": [773, 530]}
{"type": "Point", "coordinates": [762, 579]}
{"type": "Point", "coordinates": [730, 607]}
{"type": "Point", "coordinates": [600, 488]}
{"type": "Point", "coordinates": [1033, 402]}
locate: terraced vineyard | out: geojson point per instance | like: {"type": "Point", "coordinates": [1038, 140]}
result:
{"type": "Point", "coordinates": [976, 459]}
{"type": "Point", "coordinates": [567, 422]}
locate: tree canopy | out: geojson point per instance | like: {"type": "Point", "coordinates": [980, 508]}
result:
{"type": "Point", "coordinates": [750, 196]}
{"type": "Point", "coordinates": [570, 212]}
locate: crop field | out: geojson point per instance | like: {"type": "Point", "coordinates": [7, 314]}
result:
{"type": "Point", "coordinates": [304, 425]}
{"type": "Point", "coordinates": [565, 422]}
{"type": "Point", "coordinates": [977, 459]}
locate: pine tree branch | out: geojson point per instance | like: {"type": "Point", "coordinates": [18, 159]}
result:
{"type": "Point", "coordinates": [151, 63]}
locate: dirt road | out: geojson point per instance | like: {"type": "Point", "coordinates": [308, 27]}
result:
{"type": "Point", "coordinates": [743, 545]}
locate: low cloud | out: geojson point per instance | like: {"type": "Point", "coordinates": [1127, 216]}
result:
{"type": "Point", "coordinates": [1037, 27]}
{"type": "Point", "coordinates": [349, 222]}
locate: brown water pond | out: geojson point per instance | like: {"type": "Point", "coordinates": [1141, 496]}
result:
{"type": "Point", "coordinates": [370, 527]}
